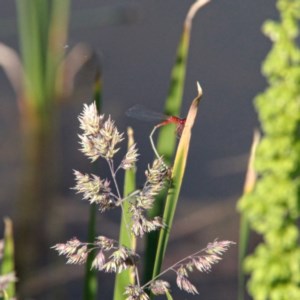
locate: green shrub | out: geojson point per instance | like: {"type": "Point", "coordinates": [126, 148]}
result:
{"type": "Point", "coordinates": [272, 209]}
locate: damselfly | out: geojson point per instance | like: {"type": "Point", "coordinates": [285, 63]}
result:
{"type": "Point", "coordinates": [142, 113]}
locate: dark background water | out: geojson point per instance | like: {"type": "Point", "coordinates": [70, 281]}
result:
{"type": "Point", "coordinates": [226, 51]}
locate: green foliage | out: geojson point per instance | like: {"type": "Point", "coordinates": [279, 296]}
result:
{"type": "Point", "coordinates": [273, 207]}
{"type": "Point", "coordinates": [169, 296]}
{"type": "Point", "coordinates": [126, 238]}
{"type": "Point", "coordinates": [177, 177]}
{"type": "Point", "coordinates": [43, 28]}
{"type": "Point", "coordinates": [166, 143]}
{"type": "Point", "coordinates": [167, 140]}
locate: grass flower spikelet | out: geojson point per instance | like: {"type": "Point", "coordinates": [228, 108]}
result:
{"type": "Point", "coordinates": [90, 121]}
{"type": "Point", "coordinates": [99, 138]}
{"type": "Point", "coordinates": [159, 287]}
{"type": "Point", "coordinates": [5, 280]}
{"type": "Point", "coordinates": [134, 292]}
{"type": "Point", "coordinates": [130, 158]}
{"type": "Point", "coordinates": [94, 190]}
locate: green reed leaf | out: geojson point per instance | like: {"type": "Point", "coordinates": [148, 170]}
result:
{"type": "Point", "coordinates": [43, 29]}
{"type": "Point", "coordinates": [167, 139]}
{"type": "Point", "coordinates": [177, 177]}
{"type": "Point", "coordinates": [169, 296]}
{"type": "Point", "coordinates": [126, 238]}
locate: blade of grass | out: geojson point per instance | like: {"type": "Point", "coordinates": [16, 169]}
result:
{"type": "Point", "coordinates": [8, 262]}
{"type": "Point", "coordinates": [166, 139]}
{"type": "Point", "coordinates": [43, 27]}
{"type": "Point", "coordinates": [32, 33]}
{"type": "Point", "coordinates": [126, 238]}
{"type": "Point", "coordinates": [35, 23]}
{"type": "Point", "coordinates": [244, 224]}
{"type": "Point", "coordinates": [57, 36]}
{"type": "Point", "coordinates": [90, 278]}
{"type": "Point", "coordinates": [177, 177]}
{"type": "Point", "coordinates": [169, 296]}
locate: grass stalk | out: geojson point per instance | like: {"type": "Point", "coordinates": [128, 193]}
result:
{"type": "Point", "coordinates": [167, 139]}
{"type": "Point", "coordinates": [177, 177]}
{"type": "Point", "coordinates": [42, 50]}
{"type": "Point", "coordinates": [126, 238]}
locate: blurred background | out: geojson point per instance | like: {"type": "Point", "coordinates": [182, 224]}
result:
{"type": "Point", "coordinates": [136, 43]}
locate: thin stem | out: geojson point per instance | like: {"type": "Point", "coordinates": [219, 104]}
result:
{"type": "Point", "coordinates": [119, 166]}
{"type": "Point", "coordinates": [151, 141]}
{"type": "Point", "coordinates": [117, 169]}
{"type": "Point", "coordinates": [173, 266]}
{"type": "Point", "coordinates": [153, 146]}
{"type": "Point", "coordinates": [111, 168]}
{"type": "Point", "coordinates": [116, 197]}
{"type": "Point", "coordinates": [126, 224]}
{"type": "Point", "coordinates": [120, 202]}
{"type": "Point", "coordinates": [113, 174]}
{"type": "Point", "coordinates": [137, 276]}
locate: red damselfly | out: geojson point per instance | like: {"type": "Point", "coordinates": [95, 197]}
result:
{"type": "Point", "coordinates": [144, 114]}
